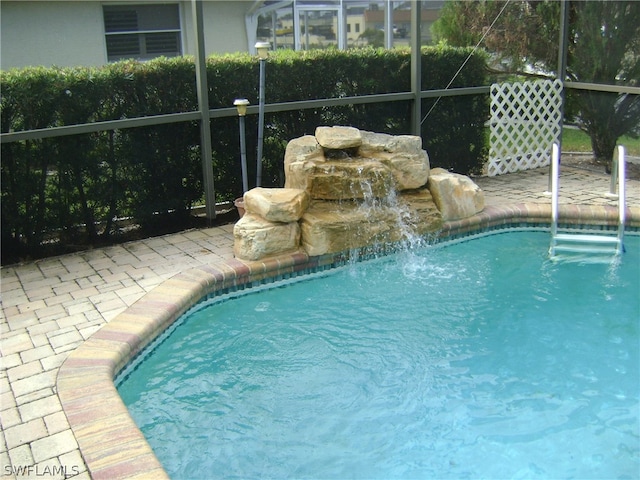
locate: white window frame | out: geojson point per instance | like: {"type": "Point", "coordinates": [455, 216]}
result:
{"type": "Point", "coordinates": [337, 9]}
{"type": "Point", "coordinates": [340, 7]}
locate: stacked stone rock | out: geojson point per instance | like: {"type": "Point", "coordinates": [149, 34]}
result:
{"type": "Point", "coordinates": [270, 225]}
{"type": "Point", "coordinates": [330, 176]}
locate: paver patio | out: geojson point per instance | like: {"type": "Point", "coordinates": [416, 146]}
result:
{"type": "Point", "coordinates": [51, 306]}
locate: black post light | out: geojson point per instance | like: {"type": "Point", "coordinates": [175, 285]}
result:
{"type": "Point", "coordinates": [263, 52]}
{"type": "Point", "coordinates": [241, 105]}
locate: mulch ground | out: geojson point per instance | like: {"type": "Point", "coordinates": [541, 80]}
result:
{"type": "Point", "coordinates": [586, 161]}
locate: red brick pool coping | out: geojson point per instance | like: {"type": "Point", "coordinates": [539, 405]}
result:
{"type": "Point", "coordinates": [110, 442]}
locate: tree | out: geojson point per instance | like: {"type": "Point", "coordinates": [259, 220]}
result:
{"type": "Point", "coordinates": [374, 38]}
{"type": "Point", "coordinates": [603, 47]}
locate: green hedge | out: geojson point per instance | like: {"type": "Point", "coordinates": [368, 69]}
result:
{"type": "Point", "coordinates": [73, 190]}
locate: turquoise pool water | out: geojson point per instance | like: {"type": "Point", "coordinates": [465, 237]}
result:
{"type": "Point", "coordinates": [479, 359]}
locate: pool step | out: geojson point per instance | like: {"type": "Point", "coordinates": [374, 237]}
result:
{"type": "Point", "coordinates": [586, 238]}
{"type": "Point", "coordinates": [586, 243]}
{"type": "Point", "coordinates": [591, 244]}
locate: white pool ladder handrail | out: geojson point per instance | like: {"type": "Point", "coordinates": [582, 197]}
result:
{"type": "Point", "coordinates": [555, 171]}
{"type": "Point", "coordinates": [587, 243]}
{"type": "Point", "coordinates": [620, 163]}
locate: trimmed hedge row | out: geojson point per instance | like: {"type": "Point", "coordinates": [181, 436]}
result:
{"type": "Point", "coordinates": [73, 190]}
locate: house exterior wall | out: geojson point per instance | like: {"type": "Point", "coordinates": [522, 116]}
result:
{"type": "Point", "coordinates": [51, 33]}
{"type": "Point", "coordinates": [225, 30]}
{"type": "Point", "coordinates": [71, 33]}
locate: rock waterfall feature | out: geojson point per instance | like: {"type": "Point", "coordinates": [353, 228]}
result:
{"type": "Point", "coordinates": [347, 189]}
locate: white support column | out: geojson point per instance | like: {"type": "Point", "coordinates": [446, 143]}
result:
{"type": "Point", "coordinates": [342, 26]}
{"type": "Point", "coordinates": [388, 25]}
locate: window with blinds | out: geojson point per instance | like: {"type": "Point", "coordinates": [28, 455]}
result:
{"type": "Point", "coordinates": [142, 31]}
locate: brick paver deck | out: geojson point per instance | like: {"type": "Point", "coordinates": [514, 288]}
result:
{"type": "Point", "coordinates": [51, 306]}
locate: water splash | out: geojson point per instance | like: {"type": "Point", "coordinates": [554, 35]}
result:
{"type": "Point", "coordinates": [398, 230]}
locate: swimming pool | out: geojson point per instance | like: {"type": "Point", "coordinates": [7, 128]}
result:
{"type": "Point", "coordinates": [494, 361]}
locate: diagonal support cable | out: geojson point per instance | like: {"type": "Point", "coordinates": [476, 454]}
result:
{"type": "Point", "coordinates": [467, 59]}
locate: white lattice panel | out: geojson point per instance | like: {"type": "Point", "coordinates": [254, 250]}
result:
{"type": "Point", "coordinates": [526, 119]}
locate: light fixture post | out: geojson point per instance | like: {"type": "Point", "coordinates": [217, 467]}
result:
{"type": "Point", "coordinates": [263, 52]}
{"type": "Point", "coordinates": [241, 105]}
